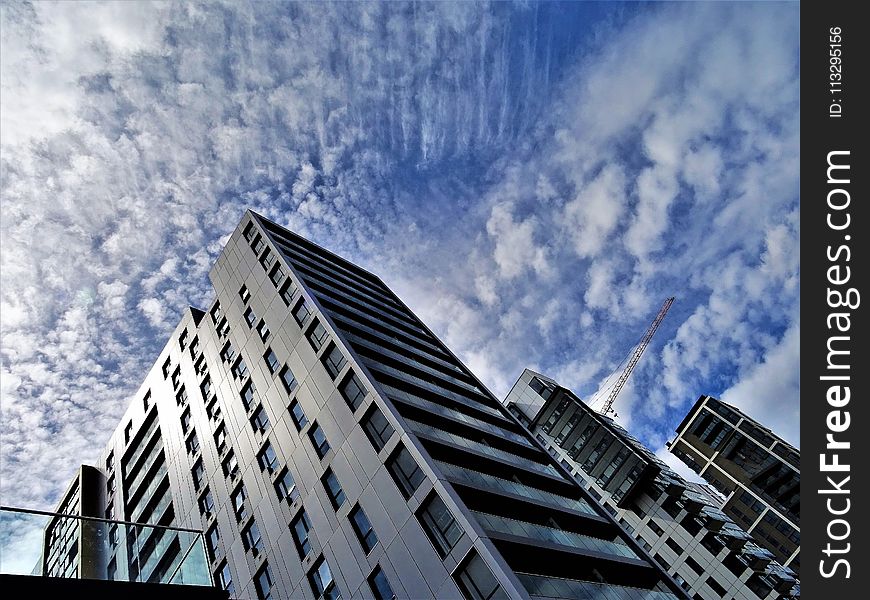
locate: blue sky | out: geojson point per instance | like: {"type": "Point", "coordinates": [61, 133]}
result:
{"type": "Point", "coordinates": [532, 179]}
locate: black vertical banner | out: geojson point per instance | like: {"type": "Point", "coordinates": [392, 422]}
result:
{"type": "Point", "coordinates": [835, 425]}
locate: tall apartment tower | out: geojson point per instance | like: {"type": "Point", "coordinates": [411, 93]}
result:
{"type": "Point", "coordinates": [330, 446]}
{"type": "Point", "coordinates": [679, 522]}
{"type": "Point", "coordinates": [756, 471]}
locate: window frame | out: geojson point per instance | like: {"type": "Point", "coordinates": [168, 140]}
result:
{"type": "Point", "coordinates": [375, 436]}
{"type": "Point", "coordinates": [405, 480]}
{"type": "Point", "coordinates": [321, 449]}
{"type": "Point", "coordinates": [368, 539]}
{"type": "Point", "coordinates": [333, 489]}
{"type": "Point", "coordinates": [438, 530]}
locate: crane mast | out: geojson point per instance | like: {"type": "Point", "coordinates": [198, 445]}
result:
{"type": "Point", "coordinates": [635, 356]}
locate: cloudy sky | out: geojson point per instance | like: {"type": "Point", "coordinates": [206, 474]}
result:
{"type": "Point", "coordinates": [532, 179]}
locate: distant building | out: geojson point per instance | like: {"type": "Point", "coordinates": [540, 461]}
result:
{"type": "Point", "coordinates": [756, 471]}
{"type": "Point", "coordinates": [330, 446]}
{"type": "Point", "coordinates": [679, 522]}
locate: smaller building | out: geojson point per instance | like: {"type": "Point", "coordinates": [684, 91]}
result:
{"type": "Point", "coordinates": [680, 523]}
{"type": "Point", "coordinates": [756, 471]}
{"type": "Point", "coordinates": [69, 544]}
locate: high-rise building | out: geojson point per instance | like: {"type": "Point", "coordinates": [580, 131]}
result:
{"type": "Point", "coordinates": [329, 445]}
{"type": "Point", "coordinates": [756, 471]}
{"type": "Point", "coordinates": [679, 522]}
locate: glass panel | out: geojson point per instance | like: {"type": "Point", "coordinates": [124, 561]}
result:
{"type": "Point", "coordinates": [40, 543]}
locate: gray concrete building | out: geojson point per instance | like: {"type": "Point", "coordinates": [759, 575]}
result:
{"type": "Point", "coordinates": [330, 446]}
{"type": "Point", "coordinates": [756, 471]}
{"type": "Point", "coordinates": [679, 522]}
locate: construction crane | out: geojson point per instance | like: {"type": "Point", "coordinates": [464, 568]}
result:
{"type": "Point", "coordinates": [635, 357]}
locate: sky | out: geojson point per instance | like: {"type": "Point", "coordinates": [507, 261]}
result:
{"type": "Point", "coordinates": [533, 180]}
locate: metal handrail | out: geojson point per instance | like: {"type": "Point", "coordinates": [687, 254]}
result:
{"type": "Point", "coordinates": [47, 513]}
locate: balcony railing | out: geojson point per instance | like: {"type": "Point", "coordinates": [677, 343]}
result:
{"type": "Point", "coordinates": [99, 549]}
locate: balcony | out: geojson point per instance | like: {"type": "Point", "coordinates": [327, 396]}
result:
{"type": "Point", "coordinates": [532, 531]}
{"type": "Point", "coordinates": [93, 550]}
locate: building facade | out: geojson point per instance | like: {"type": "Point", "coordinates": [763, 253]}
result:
{"type": "Point", "coordinates": [679, 522]}
{"type": "Point", "coordinates": [756, 471]}
{"type": "Point", "coordinates": [330, 446]}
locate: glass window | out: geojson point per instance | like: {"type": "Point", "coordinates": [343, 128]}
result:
{"type": "Point", "coordinates": [476, 580]}
{"type": "Point", "coordinates": [194, 347]}
{"type": "Point", "coordinates": [439, 524]}
{"type": "Point", "coordinates": [248, 395]}
{"type": "Point", "coordinates": [258, 244]}
{"type": "Point", "coordinates": [110, 461]}
{"type": "Point", "coordinates": [287, 291]}
{"type": "Point", "coordinates": [216, 312]}
{"type": "Point", "coordinates": [322, 583]}
{"type": "Point", "coordinates": [230, 465]}
{"type": "Point", "coordinates": [267, 458]}
{"type": "Point", "coordinates": [146, 401]}
{"type": "Point", "coordinates": [300, 526]}
{"type": "Point", "coordinates": [288, 379]}
{"type": "Point", "coordinates": [277, 275]}
{"type": "Point", "coordinates": [318, 439]}
{"type": "Point", "coordinates": [263, 330]}
{"type": "Point", "coordinates": [317, 335]}
{"type": "Point", "coordinates": [166, 366]}
{"type": "Point", "coordinates": [192, 443]}
{"type": "Point", "coordinates": [543, 389]}
{"type": "Point", "coordinates": [206, 502]}
{"type": "Point", "coordinates": [220, 438]}
{"type": "Point", "coordinates": [363, 529]}
{"type": "Point", "coordinates": [238, 497]}
{"type": "Point", "coordinates": [182, 342]}
{"type": "Point", "coordinates": [181, 397]}
{"type": "Point", "coordinates": [213, 409]}
{"type": "Point", "coordinates": [224, 578]}
{"type": "Point", "coordinates": [110, 485]}
{"type": "Point", "coordinates": [250, 317]}
{"type": "Point", "coordinates": [244, 294]}
{"type": "Point", "coordinates": [593, 458]}
{"type": "Point", "coordinates": [716, 587]}
{"type": "Point", "coordinates": [205, 388]}
{"type": "Point", "coordinates": [298, 415]}
{"type": "Point", "coordinates": [285, 486]}
{"type": "Point", "coordinates": [260, 420]}
{"type": "Point", "coordinates": [693, 564]}
{"type": "Point", "coordinates": [128, 432]}
{"type": "Point", "coordinates": [198, 473]}
{"type": "Point", "coordinates": [240, 368]}
{"type": "Point", "coordinates": [263, 583]}
{"type": "Point", "coordinates": [271, 361]}
{"type": "Point", "coordinates": [674, 546]}
{"type": "Point", "coordinates": [333, 360]}
{"type": "Point", "coordinates": [352, 391]}
{"type": "Point", "coordinates": [267, 259]}
{"type": "Point", "coordinates": [380, 586]}
{"type": "Point", "coordinates": [228, 353]}
{"type": "Point", "coordinates": [251, 538]}
{"type": "Point", "coordinates": [223, 328]}
{"type": "Point", "coordinates": [212, 539]}
{"type": "Point", "coordinates": [301, 313]}
{"type": "Point", "coordinates": [113, 535]}
{"type": "Point", "coordinates": [405, 471]}
{"type": "Point", "coordinates": [249, 231]}
{"type": "Point", "coordinates": [333, 489]}
{"type": "Point", "coordinates": [176, 377]}
{"type": "Point", "coordinates": [377, 428]}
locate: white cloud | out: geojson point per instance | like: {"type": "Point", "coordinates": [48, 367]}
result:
{"type": "Point", "coordinates": [456, 153]}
